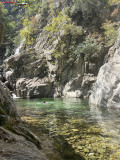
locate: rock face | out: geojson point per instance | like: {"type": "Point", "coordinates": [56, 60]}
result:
{"type": "Point", "coordinates": [27, 75]}
{"type": "Point", "coordinates": [36, 73]}
{"type": "Point", "coordinates": [14, 147]}
{"type": "Point", "coordinates": [106, 91]}
{"type": "Point", "coordinates": [54, 66]}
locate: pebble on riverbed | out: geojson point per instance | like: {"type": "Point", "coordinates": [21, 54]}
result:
{"type": "Point", "coordinates": [85, 139]}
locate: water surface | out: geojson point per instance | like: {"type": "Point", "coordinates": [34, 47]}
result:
{"type": "Point", "coordinates": [71, 130]}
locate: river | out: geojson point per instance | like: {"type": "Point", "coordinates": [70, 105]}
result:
{"type": "Point", "coordinates": [71, 130]}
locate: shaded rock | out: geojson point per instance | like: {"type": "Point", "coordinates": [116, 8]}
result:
{"type": "Point", "coordinates": [28, 135]}
{"type": "Point", "coordinates": [14, 147]}
{"type": "Point", "coordinates": [6, 103]}
{"type": "Point", "coordinates": [3, 119]}
{"type": "Point", "coordinates": [1, 77]}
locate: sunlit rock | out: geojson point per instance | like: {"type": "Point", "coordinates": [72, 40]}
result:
{"type": "Point", "coordinates": [106, 91]}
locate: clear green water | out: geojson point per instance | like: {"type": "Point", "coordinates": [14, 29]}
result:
{"type": "Point", "coordinates": [71, 130]}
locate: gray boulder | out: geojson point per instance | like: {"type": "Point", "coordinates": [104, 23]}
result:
{"type": "Point", "coordinates": [33, 88]}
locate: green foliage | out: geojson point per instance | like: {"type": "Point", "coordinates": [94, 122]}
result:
{"type": "Point", "coordinates": [90, 12]}
{"type": "Point", "coordinates": [51, 4]}
{"type": "Point", "coordinates": [1, 29]}
{"type": "Point", "coordinates": [17, 40]}
{"type": "Point", "coordinates": [44, 8]}
{"type": "Point", "coordinates": [63, 23]}
{"type": "Point", "coordinates": [10, 28]}
{"type": "Point", "coordinates": [9, 25]}
{"type": "Point", "coordinates": [87, 48]}
{"type": "Point", "coordinates": [27, 32]}
{"type": "Point", "coordinates": [114, 2]}
{"type": "Point", "coordinates": [3, 11]}
{"type": "Point", "coordinates": [111, 32]}
{"type": "Point", "coordinates": [60, 50]}
{"type": "Point", "coordinates": [75, 31]}
{"type": "Point", "coordinates": [59, 23]}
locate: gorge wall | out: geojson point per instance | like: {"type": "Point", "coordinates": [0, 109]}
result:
{"type": "Point", "coordinates": [53, 65]}
{"type": "Point", "coordinates": [36, 73]}
{"type": "Point", "coordinates": [106, 91]}
{"type": "Point", "coordinates": [67, 50]}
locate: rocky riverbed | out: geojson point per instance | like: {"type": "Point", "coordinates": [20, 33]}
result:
{"type": "Point", "coordinates": [69, 129]}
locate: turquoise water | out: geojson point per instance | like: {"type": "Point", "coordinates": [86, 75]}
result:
{"type": "Point", "coordinates": [71, 130]}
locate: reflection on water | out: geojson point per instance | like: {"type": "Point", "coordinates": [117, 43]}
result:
{"type": "Point", "coordinates": [71, 130]}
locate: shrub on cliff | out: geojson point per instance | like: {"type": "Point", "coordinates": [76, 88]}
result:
{"type": "Point", "coordinates": [114, 2]}
{"type": "Point", "coordinates": [90, 12]}
{"type": "Point", "coordinates": [29, 30]}
{"type": "Point", "coordinates": [110, 32]}
{"type": "Point", "coordinates": [63, 23]}
{"type": "Point", "coordinates": [88, 48]}
{"type": "Point", "coordinates": [58, 23]}
{"type": "Point", "coordinates": [6, 24]}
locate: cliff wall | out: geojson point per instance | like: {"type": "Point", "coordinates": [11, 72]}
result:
{"type": "Point", "coordinates": [106, 91]}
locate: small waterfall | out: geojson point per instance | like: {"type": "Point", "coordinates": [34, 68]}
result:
{"type": "Point", "coordinates": [17, 51]}
{"type": "Point", "coordinates": [14, 96]}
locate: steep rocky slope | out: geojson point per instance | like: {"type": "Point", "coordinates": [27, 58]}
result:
{"type": "Point", "coordinates": [32, 74]}
{"type": "Point", "coordinates": [106, 92]}
{"type": "Point", "coordinates": [66, 50]}
{"type": "Point", "coordinates": [35, 72]}
{"type": "Point", "coordinates": [54, 65]}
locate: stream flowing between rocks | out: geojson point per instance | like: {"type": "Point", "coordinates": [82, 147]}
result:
{"type": "Point", "coordinates": [71, 130]}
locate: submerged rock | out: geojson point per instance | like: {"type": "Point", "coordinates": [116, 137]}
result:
{"type": "Point", "coordinates": [106, 91]}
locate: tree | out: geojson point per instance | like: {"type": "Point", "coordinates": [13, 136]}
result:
{"type": "Point", "coordinates": [59, 23]}
{"type": "Point", "coordinates": [114, 1]}
{"type": "Point", "coordinates": [1, 27]}
{"type": "Point", "coordinates": [91, 12]}
{"type": "Point", "coordinates": [110, 31]}
{"type": "Point", "coordinates": [29, 29]}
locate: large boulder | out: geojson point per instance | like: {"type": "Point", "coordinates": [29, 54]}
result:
{"type": "Point", "coordinates": [34, 88]}
{"type": "Point", "coordinates": [14, 147]}
{"type": "Point", "coordinates": [106, 91]}
{"type": "Point", "coordinates": [27, 74]}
